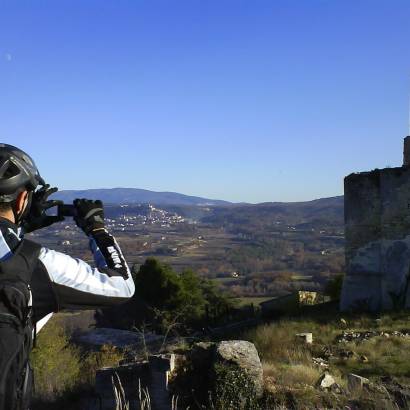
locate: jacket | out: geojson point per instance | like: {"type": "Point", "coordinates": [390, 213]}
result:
{"type": "Point", "coordinates": [60, 281]}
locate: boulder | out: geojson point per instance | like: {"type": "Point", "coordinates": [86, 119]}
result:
{"type": "Point", "coordinates": [326, 381]}
{"type": "Point", "coordinates": [244, 355]}
{"type": "Point", "coordinates": [356, 382]}
{"type": "Point", "coordinates": [398, 392]}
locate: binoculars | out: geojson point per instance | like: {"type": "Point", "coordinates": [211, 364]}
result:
{"type": "Point", "coordinates": [66, 210]}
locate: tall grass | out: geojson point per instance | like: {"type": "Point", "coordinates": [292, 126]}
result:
{"type": "Point", "coordinates": [288, 365]}
{"type": "Point", "coordinates": [144, 399]}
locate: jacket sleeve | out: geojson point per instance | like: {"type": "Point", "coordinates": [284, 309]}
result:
{"type": "Point", "coordinates": [78, 285]}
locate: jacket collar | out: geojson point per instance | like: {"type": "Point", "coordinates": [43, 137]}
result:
{"type": "Point", "coordinates": [10, 237]}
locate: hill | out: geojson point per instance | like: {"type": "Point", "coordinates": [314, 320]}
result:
{"type": "Point", "coordinates": [304, 215]}
{"type": "Point", "coordinates": [325, 210]}
{"type": "Point", "coordinates": [135, 195]}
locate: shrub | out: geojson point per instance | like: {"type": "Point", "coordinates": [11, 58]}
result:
{"type": "Point", "coordinates": [56, 363]}
{"type": "Point", "coordinates": [233, 389]}
{"type": "Point", "coordinates": [108, 356]}
{"type": "Point", "coordinates": [62, 372]}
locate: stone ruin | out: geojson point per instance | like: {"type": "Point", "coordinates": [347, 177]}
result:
{"type": "Point", "coordinates": [153, 375]}
{"type": "Point", "coordinates": [377, 227]}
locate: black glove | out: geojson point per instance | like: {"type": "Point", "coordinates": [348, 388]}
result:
{"type": "Point", "coordinates": [90, 215]}
{"type": "Point", "coordinates": [36, 217]}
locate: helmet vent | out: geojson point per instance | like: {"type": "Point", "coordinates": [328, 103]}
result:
{"type": "Point", "coordinates": [12, 171]}
{"type": "Point", "coordinates": [9, 170]}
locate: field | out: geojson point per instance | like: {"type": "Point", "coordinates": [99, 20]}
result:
{"type": "Point", "coordinates": [251, 251]}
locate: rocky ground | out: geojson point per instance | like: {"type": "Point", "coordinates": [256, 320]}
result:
{"type": "Point", "coordinates": [341, 362]}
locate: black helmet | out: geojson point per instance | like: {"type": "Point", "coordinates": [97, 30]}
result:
{"type": "Point", "coordinates": [18, 172]}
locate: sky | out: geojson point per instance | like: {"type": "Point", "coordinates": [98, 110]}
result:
{"type": "Point", "coordinates": [242, 100]}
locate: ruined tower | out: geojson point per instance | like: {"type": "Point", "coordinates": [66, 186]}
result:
{"type": "Point", "coordinates": [377, 225]}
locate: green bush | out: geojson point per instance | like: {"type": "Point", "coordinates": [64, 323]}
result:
{"type": "Point", "coordinates": [62, 372]}
{"type": "Point", "coordinates": [56, 363]}
{"type": "Point", "coordinates": [183, 295]}
{"type": "Point", "coordinates": [107, 356]}
{"type": "Point", "coordinates": [233, 389]}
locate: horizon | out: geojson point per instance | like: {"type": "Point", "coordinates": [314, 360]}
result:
{"type": "Point", "coordinates": [247, 101]}
{"type": "Point", "coordinates": [211, 199]}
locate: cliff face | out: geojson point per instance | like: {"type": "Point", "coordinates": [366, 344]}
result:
{"type": "Point", "coordinates": [377, 226]}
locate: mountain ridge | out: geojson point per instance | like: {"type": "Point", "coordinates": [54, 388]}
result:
{"type": "Point", "coordinates": [137, 195]}
{"type": "Point", "coordinates": [121, 195]}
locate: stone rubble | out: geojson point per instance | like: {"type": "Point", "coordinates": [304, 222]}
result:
{"type": "Point", "coordinates": [305, 337]}
{"type": "Point", "coordinates": [321, 363]}
{"type": "Point", "coordinates": [326, 381]}
{"type": "Point", "coordinates": [358, 337]}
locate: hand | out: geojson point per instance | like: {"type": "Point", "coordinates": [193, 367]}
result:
{"type": "Point", "coordinates": [37, 217]}
{"type": "Point", "coordinates": [90, 215]}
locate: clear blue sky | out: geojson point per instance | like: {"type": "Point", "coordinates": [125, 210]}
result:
{"type": "Point", "coordinates": [244, 100]}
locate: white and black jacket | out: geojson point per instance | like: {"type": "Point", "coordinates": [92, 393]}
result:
{"type": "Point", "coordinates": [60, 281]}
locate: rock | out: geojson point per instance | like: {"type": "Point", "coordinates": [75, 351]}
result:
{"type": "Point", "coordinates": [376, 388]}
{"type": "Point", "coordinates": [244, 355]}
{"type": "Point", "coordinates": [320, 362]}
{"type": "Point", "coordinates": [399, 392]}
{"type": "Point", "coordinates": [305, 337]}
{"type": "Point", "coordinates": [356, 382]}
{"type": "Point", "coordinates": [327, 352]}
{"type": "Point", "coordinates": [326, 381]}
{"type": "Point", "coordinates": [364, 359]}
{"type": "Point", "coordinates": [346, 354]}
{"type": "Point", "coordinates": [335, 388]}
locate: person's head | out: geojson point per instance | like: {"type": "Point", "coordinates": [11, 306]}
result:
{"type": "Point", "coordinates": [19, 177]}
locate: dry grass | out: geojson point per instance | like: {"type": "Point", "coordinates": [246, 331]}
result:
{"type": "Point", "coordinates": [298, 375]}
{"type": "Point", "coordinates": [385, 357]}
{"type": "Point", "coordinates": [288, 365]}
{"type": "Point", "coordinates": [277, 342]}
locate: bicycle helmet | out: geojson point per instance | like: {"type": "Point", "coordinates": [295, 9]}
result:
{"type": "Point", "coordinates": [18, 172]}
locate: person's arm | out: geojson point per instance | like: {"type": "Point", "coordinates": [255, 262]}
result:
{"type": "Point", "coordinates": [76, 284]}
{"type": "Point", "coordinates": [73, 283]}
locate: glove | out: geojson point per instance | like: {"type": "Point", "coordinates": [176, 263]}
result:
{"type": "Point", "coordinates": [36, 217]}
{"type": "Point", "coordinates": [90, 215]}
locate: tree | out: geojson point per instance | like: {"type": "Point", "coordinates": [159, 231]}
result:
{"type": "Point", "coordinates": [158, 285]}
{"type": "Point", "coordinates": [192, 299]}
{"type": "Point", "coordinates": [163, 296]}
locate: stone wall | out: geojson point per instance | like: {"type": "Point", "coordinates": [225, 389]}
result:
{"type": "Point", "coordinates": [195, 371]}
{"type": "Point", "coordinates": [377, 226]}
{"type": "Point", "coordinates": [151, 375]}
